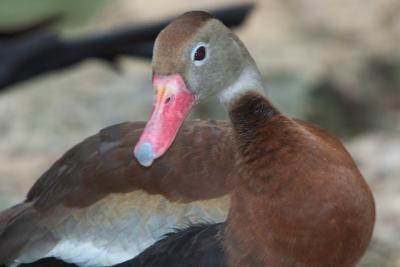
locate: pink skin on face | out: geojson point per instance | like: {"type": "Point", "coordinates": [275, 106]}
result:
{"type": "Point", "coordinates": [170, 108]}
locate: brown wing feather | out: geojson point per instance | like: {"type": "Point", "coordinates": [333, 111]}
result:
{"type": "Point", "coordinates": [198, 166]}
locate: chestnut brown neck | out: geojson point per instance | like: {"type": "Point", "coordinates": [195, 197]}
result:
{"type": "Point", "coordinates": [266, 141]}
{"type": "Point", "coordinates": [250, 115]}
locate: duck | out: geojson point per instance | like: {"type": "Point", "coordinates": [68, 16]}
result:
{"type": "Point", "coordinates": [270, 190]}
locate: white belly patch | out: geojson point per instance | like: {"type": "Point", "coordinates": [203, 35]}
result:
{"type": "Point", "coordinates": [120, 226]}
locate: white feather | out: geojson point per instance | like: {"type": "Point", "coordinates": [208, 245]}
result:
{"type": "Point", "coordinates": [249, 80]}
{"type": "Point", "coordinates": [121, 226]}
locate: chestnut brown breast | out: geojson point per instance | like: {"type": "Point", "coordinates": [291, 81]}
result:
{"type": "Point", "coordinates": [301, 201]}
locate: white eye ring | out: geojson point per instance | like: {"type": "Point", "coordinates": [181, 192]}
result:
{"type": "Point", "coordinates": [199, 62]}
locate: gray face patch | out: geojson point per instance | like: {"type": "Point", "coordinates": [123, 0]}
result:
{"type": "Point", "coordinates": [224, 59]}
{"type": "Point", "coordinates": [223, 63]}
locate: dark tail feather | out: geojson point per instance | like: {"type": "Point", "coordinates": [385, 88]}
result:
{"type": "Point", "coordinates": [8, 218]}
{"type": "Point", "coordinates": [20, 235]}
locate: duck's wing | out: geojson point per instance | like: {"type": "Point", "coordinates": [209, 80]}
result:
{"type": "Point", "coordinates": [97, 205]}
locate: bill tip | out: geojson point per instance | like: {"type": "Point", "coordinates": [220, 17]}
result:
{"type": "Point", "coordinates": [144, 154]}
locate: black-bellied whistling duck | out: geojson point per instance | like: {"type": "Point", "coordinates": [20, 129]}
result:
{"type": "Point", "coordinates": [296, 196]}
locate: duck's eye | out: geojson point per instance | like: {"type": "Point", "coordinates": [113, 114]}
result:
{"type": "Point", "coordinates": [200, 53]}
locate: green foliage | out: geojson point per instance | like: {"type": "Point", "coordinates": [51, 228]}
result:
{"type": "Point", "coordinates": [17, 13]}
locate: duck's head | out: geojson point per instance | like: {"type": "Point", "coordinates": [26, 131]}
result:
{"type": "Point", "coordinates": [194, 57]}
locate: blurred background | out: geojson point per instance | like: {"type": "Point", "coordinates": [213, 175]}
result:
{"type": "Point", "coordinates": [333, 62]}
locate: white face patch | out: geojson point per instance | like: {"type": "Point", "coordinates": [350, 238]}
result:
{"type": "Point", "coordinates": [249, 80]}
{"type": "Point", "coordinates": [200, 53]}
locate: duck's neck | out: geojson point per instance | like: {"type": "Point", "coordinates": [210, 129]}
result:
{"type": "Point", "coordinates": [253, 118]}
{"type": "Point", "coordinates": [248, 81]}
{"type": "Point", "coordinates": [261, 135]}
